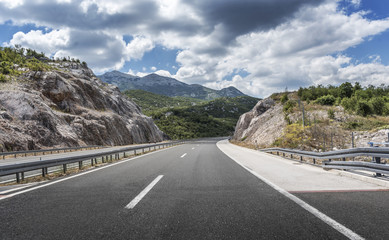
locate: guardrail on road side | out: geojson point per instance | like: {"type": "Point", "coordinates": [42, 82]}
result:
{"type": "Point", "coordinates": [375, 153]}
{"type": "Point", "coordinates": [43, 151]}
{"type": "Point", "coordinates": [20, 168]}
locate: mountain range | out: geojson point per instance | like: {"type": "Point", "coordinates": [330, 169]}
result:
{"type": "Point", "coordinates": [166, 86]}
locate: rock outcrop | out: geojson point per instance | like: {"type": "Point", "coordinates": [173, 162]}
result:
{"type": "Point", "coordinates": [262, 125]}
{"type": "Point", "coordinates": [69, 106]}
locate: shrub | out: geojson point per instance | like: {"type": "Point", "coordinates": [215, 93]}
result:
{"type": "Point", "coordinates": [331, 113]}
{"type": "Point", "coordinates": [284, 98]}
{"type": "Point", "coordinates": [378, 105]}
{"type": "Point", "coordinates": [349, 103]}
{"type": "Point", "coordinates": [326, 100]}
{"type": "Point", "coordinates": [288, 106]}
{"type": "Point", "coordinates": [363, 108]}
{"type": "Point", "coordinates": [2, 78]}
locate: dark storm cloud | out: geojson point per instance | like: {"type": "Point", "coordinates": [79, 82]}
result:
{"type": "Point", "coordinates": [71, 15]}
{"type": "Point", "coordinates": [241, 17]}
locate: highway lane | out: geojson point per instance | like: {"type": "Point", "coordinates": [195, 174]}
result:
{"type": "Point", "coordinates": [203, 194]}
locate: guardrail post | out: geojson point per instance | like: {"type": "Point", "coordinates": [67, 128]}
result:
{"type": "Point", "coordinates": [378, 161]}
{"type": "Point", "coordinates": [22, 175]}
{"type": "Point", "coordinates": [64, 168]}
{"type": "Point", "coordinates": [314, 161]}
{"type": "Point", "coordinates": [283, 154]}
{"type": "Point", "coordinates": [301, 158]}
{"type": "Point", "coordinates": [17, 178]}
{"type": "Point", "coordinates": [344, 159]}
{"type": "Point", "coordinates": [79, 164]}
{"type": "Point", "coordinates": [143, 150]}
{"type": "Point", "coordinates": [291, 156]}
{"type": "Point", "coordinates": [110, 158]}
{"type": "Point", "coordinates": [124, 154]}
{"type": "Point", "coordinates": [91, 162]}
{"type": "Point", "coordinates": [43, 172]}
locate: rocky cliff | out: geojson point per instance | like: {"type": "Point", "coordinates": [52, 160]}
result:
{"type": "Point", "coordinates": [68, 106]}
{"type": "Point", "coordinates": [262, 125]}
{"type": "Point", "coordinates": [266, 125]}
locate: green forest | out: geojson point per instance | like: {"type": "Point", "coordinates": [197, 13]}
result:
{"type": "Point", "coordinates": [184, 118]}
{"type": "Point", "coordinates": [364, 101]}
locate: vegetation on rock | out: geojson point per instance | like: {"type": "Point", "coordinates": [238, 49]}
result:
{"type": "Point", "coordinates": [364, 101]}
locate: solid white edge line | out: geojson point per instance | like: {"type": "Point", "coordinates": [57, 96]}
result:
{"type": "Point", "coordinates": [80, 174]}
{"type": "Point", "coordinates": [141, 195]}
{"type": "Point", "coordinates": [334, 224]}
{"type": "Point", "coordinates": [15, 189]}
{"type": "Point", "coordinates": [183, 155]}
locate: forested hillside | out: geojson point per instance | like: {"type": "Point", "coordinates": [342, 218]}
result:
{"type": "Point", "coordinates": [181, 117]}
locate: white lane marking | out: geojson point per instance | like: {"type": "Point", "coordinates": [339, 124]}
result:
{"type": "Point", "coordinates": [183, 155]}
{"type": "Point", "coordinates": [334, 224]}
{"type": "Point", "coordinates": [80, 174]}
{"type": "Point", "coordinates": [137, 199]}
{"type": "Point", "coordinates": [193, 148]}
{"type": "Point", "coordinates": [15, 189]}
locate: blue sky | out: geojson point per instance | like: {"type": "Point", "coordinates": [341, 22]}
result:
{"type": "Point", "coordinates": [258, 46]}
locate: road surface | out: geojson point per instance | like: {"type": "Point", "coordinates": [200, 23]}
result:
{"type": "Point", "coordinates": [195, 191]}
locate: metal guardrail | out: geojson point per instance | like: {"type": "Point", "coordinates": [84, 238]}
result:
{"type": "Point", "coordinates": [20, 168]}
{"type": "Point", "coordinates": [357, 165]}
{"type": "Point", "coordinates": [16, 153]}
{"type": "Point", "coordinates": [374, 152]}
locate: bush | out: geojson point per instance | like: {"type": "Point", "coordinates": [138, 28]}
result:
{"type": "Point", "coordinates": [284, 98]}
{"type": "Point", "coordinates": [326, 100]}
{"type": "Point", "coordinates": [378, 105]}
{"type": "Point", "coordinates": [363, 108]}
{"type": "Point", "coordinates": [331, 113]}
{"type": "Point", "coordinates": [349, 104]}
{"type": "Point", "coordinates": [2, 78]}
{"type": "Point", "coordinates": [288, 106]}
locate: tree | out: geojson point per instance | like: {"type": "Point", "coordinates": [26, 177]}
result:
{"type": "Point", "coordinates": [378, 105]}
{"type": "Point", "coordinates": [346, 90]}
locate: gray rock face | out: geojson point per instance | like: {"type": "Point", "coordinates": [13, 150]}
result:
{"type": "Point", "coordinates": [262, 125]}
{"type": "Point", "coordinates": [69, 107]}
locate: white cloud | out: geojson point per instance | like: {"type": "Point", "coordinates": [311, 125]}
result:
{"type": "Point", "coordinates": [296, 53]}
{"type": "Point", "coordinates": [137, 47]}
{"type": "Point", "coordinates": [153, 68]}
{"type": "Point", "coordinates": [43, 42]}
{"type": "Point", "coordinates": [296, 45]}
{"type": "Point", "coordinates": [12, 3]}
{"type": "Point", "coordinates": [163, 73]}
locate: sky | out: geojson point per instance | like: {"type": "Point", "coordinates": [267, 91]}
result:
{"type": "Point", "coordinates": [257, 46]}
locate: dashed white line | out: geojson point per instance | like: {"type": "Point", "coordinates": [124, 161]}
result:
{"type": "Point", "coordinates": [78, 175]}
{"type": "Point", "coordinates": [183, 155]}
{"type": "Point", "coordinates": [137, 199]}
{"type": "Point", "coordinates": [193, 148]}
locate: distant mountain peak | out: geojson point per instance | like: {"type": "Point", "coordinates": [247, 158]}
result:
{"type": "Point", "coordinates": [167, 86]}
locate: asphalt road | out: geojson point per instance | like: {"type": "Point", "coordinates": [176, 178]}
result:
{"type": "Point", "coordinates": [201, 194]}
